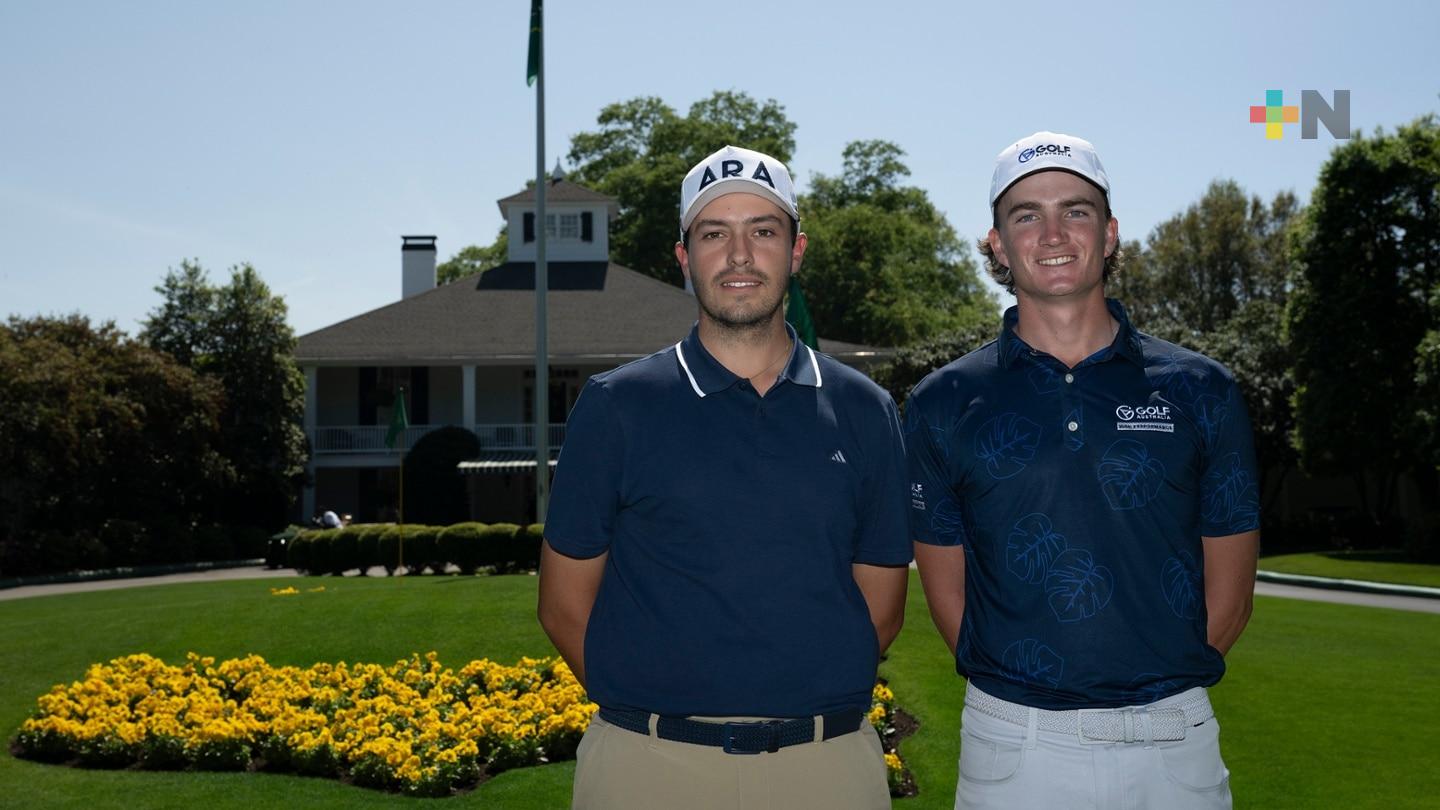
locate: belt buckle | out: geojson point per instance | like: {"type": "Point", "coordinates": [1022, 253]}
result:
{"type": "Point", "coordinates": [772, 740]}
{"type": "Point", "coordinates": [1080, 715]}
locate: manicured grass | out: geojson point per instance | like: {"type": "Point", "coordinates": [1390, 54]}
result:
{"type": "Point", "coordinates": [1324, 706]}
{"type": "Point", "coordinates": [1375, 566]}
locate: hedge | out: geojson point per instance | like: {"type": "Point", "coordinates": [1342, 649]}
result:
{"type": "Point", "coordinates": [470, 547]}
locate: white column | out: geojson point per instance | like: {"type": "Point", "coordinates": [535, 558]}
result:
{"type": "Point", "coordinates": [467, 397]}
{"type": "Point", "coordinates": [312, 409]}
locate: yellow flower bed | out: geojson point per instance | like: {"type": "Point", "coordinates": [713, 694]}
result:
{"type": "Point", "coordinates": [415, 726]}
{"type": "Point", "coordinates": [882, 717]}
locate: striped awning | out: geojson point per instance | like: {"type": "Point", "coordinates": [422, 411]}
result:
{"type": "Point", "coordinates": [504, 462]}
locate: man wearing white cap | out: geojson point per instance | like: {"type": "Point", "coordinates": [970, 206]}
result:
{"type": "Point", "coordinates": [1084, 504]}
{"type": "Point", "coordinates": [726, 550]}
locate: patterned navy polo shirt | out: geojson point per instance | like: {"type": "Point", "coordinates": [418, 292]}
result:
{"type": "Point", "coordinates": [1080, 496]}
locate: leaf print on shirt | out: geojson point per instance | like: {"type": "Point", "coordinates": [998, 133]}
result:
{"type": "Point", "coordinates": [1006, 444]}
{"type": "Point", "coordinates": [1229, 496]}
{"type": "Point", "coordinates": [1148, 687]}
{"type": "Point", "coordinates": [1178, 382]}
{"type": "Point", "coordinates": [1129, 475]}
{"type": "Point", "coordinates": [1032, 545]}
{"type": "Point", "coordinates": [1182, 586]}
{"type": "Point", "coordinates": [948, 523]}
{"type": "Point", "coordinates": [1209, 412]}
{"type": "Point", "coordinates": [1030, 661]}
{"type": "Point", "coordinates": [1043, 378]}
{"type": "Point", "coordinates": [1076, 587]}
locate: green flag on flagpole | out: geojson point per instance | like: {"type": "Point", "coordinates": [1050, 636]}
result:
{"type": "Point", "coordinates": [398, 420]}
{"type": "Point", "coordinates": [532, 67]}
{"type": "Point", "coordinates": [799, 315]}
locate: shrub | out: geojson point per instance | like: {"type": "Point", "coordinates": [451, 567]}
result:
{"type": "Point", "coordinates": [299, 550]}
{"type": "Point", "coordinates": [461, 545]}
{"type": "Point", "coordinates": [321, 550]}
{"type": "Point", "coordinates": [528, 540]}
{"type": "Point", "coordinates": [498, 542]}
{"type": "Point", "coordinates": [421, 549]}
{"type": "Point", "coordinates": [367, 546]}
{"type": "Point", "coordinates": [344, 550]}
{"type": "Point", "coordinates": [389, 549]}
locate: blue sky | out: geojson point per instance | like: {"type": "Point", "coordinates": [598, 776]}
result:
{"type": "Point", "coordinates": [306, 137]}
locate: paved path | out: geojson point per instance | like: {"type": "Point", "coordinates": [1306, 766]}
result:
{"type": "Point", "coordinates": [1416, 603]}
{"type": "Point", "coordinates": [257, 572]}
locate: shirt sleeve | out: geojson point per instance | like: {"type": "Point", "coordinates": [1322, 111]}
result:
{"type": "Point", "coordinates": [1230, 480]}
{"type": "Point", "coordinates": [935, 517]}
{"type": "Point", "coordinates": [586, 494]}
{"type": "Point", "coordinates": [882, 537]}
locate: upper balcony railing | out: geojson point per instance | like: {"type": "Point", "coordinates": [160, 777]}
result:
{"type": "Point", "coordinates": [339, 439]}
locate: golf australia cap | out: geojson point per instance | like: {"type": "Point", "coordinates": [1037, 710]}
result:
{"type": "Point", "coordinates": [731, 170]}
{"type": "Point", "coordinates": [1042, 151]}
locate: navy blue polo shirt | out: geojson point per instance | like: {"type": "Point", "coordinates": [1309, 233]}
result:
{"type": "Point", "coordinates": [1080, 496]}
{"type": "Point", "coordinates": [732, 521]}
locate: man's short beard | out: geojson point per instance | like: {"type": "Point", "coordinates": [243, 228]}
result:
{"type": "Point", "coordinates": [749, 325]}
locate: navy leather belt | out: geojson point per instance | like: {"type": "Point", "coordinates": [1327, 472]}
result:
{"type": "Point", "coordinates": [738, 737]}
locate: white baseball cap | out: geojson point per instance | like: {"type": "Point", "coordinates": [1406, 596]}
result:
{"type": "Point", "coordinates": [731, 170]}
{"type": "Point", "coordinates": [1047, 150]}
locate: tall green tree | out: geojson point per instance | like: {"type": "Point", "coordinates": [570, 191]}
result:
{"type": "Point", "coordinates": [1367, 257]}
{"type": "Point", "coordinates": [883, 265]}
{"type": "Point", "coordinates": [248, 347]}
{"type": "Point", "coordinates": [96, 430]}
{"type": "Point", "coordinates": [1201, 266]}
{"type": "Point", "coordinates": [641, 152]}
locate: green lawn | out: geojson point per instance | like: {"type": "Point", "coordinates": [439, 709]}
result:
{"type": "Point", "coordinates": [1375, 566]}
{"type": "Point", "coordinates": [1326, 705]}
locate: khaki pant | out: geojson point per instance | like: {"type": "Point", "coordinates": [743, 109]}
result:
{"type": "Point", "coordinates": [618, 769]}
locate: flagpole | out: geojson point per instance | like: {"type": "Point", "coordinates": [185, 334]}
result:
{"type": "Point", "coordinates": [400, 511]}
{"type": "Point", "coordinates": [542, 277]}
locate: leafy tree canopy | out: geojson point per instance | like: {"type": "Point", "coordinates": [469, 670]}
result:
{"type": "Point", "coordinates": [883, 266]}
{"type": "Point", "coordinates": [1367, 259]}
{"type": "Point", "coordinates": [237, 334]}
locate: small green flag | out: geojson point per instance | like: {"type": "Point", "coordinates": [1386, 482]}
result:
{"type": "Point", "coordinates": [532, 68]}
{"type": "Point", "coordinates": [799, 315]}
{"type": "Point", "coordinates": [398, 420]}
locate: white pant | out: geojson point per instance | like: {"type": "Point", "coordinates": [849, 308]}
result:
{"type": "Point", "coordinates": [1005, 766]}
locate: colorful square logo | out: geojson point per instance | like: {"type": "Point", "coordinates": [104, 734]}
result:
{"type": "Point", "coordinates": [1274, 114]}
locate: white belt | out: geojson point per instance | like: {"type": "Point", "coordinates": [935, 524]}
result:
{"type": "Point", "coordinates": [1124, 725]}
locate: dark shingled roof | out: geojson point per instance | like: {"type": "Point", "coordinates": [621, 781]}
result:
{"type": "Point", "coordinates": [597, 311]}
{"type": "Point", "coordinates": [559, 191]}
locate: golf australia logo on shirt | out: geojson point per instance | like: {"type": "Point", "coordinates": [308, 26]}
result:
{"type": "Point", "coordinates": [1154, 418]}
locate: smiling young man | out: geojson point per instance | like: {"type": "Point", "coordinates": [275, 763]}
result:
{"type": "Point", "coordinates": [726, 550]}
{"type": "Point", "coordinates": [1084, 504]}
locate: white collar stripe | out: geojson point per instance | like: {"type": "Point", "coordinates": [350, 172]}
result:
{"type": "Point", "coordinates": [815, 364]}
{"type": "Point", "coordinates": [680, 353]}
